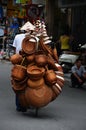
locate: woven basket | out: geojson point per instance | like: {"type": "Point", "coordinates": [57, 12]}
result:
{"type": "Point", "coordinates": [19, 72]}
{"type": "Point", "coordinates": [50, 77]}
{"type": "Point", "coordinates": [18, 87]}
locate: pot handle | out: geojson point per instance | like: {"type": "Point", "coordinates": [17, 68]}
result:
{"type": "Point", "coordinates": [37, 42]}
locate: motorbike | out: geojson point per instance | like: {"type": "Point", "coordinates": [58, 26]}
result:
{"type": "Point", "coordinates": [1, 42]}
{"type": "Point", "coordinates": [9, 46]}
{"type": "Point", "coordinates": [83, 55]}
{"type": "Point", "coordinates": [68, 58]}
{"type": "Point", "coordinates": [9, 42]}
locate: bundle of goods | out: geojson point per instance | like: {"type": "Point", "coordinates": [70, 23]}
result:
{"type": "Point", "coordinates": [36, 76]}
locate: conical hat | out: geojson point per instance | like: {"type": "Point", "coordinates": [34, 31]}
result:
{"type": "Point", "coordinates": [27, 26]}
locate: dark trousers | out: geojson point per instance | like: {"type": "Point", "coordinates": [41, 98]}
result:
{"type": "Point", "coordinates": [74, 81]}
{"type": "Point", "coordinates": [18, 105]}
{"type": "Point", "coordinates": [17, 102]}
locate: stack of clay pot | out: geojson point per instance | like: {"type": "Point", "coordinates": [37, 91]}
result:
{"type": "Point", "coordinates": [36, 76]}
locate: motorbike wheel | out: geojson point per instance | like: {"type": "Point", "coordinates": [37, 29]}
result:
{"type": "Point", "coordinates": [65, 68]}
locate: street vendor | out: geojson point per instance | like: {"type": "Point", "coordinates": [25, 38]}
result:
{"type": "Point", "coordinates": [17, 44]}
{"type": "Point", "coordinates": [37, 78]}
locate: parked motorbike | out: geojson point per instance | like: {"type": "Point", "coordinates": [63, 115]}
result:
{"type": "Point", "coordinates": [83, 55]}
{"type": "Point", "coordinates": [1, 42]}
{"type": "Point", "coordinates": [9, 47]}
{"type": "Point", "coordinates": [9, 42]}
{"type": "Point", "coordinates": [67, 59]}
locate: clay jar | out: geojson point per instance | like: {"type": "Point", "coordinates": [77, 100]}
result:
{"type": "Point", "coordinates": [38, 97]}
{"type": "Point", "coordinates": [21, 82]}
{"type": "Point", "coordinates": [40, 59]}
{"type": "Point", "coordinates": [18, 87]}
{"type": "Point", "coordinates": [19, 72]}
{"type": "Point", "coordinates": [30, 58]}
{"type": "Point", "coordinates": [16, 59]}
{"type": "Point", "coordinates": [36, 84]}
{"type": "Point", "coordinates": [28, 46]}
{"type": "Point", "coordinates": [35, 73]}
{"type": "Point", "coordinates": [50, 77]}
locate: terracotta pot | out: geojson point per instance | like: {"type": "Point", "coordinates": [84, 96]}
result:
{"type": "Point", "coordinates": [40, 58]}
{"type": "Point", "coordinates": [36, 84]}
{"type": "Point", "coordinates": [28, 46]}
{"type": "Point", "coordinates": [30, 58]}
{"type": "Point", "coordinates": [35, 72]}
{"type": "Point", "coordinates": [22, 81]}
{"type": "Point", "coordinates": [50, 77]}
{"type": "Point", "coordinates": [39, 97]}
{"type": "Point", "coordinates": [19, 72]}
{"type": "Point", "coordinates": [16, 59]}
{"type": "Point", "coordinates": [18, 87]}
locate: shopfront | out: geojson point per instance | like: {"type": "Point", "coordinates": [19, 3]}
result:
{"type": "Point", "coordinates": [76, 17]}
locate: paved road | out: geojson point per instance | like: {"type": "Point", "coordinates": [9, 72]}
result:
{"type": "Point", "coordinates": [67, 112]}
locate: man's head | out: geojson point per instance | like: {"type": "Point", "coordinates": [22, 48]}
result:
{"type": "Point", "coordinates": [78, 62]}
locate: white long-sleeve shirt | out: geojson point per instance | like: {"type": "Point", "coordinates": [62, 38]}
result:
{"type": "Point", "coordinates": [17, 43]}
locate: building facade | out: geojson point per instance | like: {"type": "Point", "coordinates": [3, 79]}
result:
{"type": "Point", "coordinates": [57, 13]}
{"type": "Point", "coordinates": [77, 17]}
{"type": "Point", "coordinates": [67, 12]}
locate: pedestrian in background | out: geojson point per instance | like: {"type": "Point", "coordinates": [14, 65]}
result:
{"type": "Point", "coordinates": [64, 42]}
{"type": "Point", "coordinates": [78, 76]}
